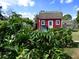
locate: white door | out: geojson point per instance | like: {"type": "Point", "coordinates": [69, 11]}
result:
{"type": "Point", "coordinates": [50, 23]}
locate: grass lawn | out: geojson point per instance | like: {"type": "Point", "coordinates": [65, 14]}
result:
{"type": "Point", "coordinates": [73, 52]}
{"type": "Point", "coordinates": [75, 36]}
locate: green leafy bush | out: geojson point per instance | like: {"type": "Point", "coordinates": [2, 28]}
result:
{"type": "Point", "coordinates": [18, 40]}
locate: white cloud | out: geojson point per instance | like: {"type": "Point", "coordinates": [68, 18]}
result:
{"type": "Point", "coordinates": [26, 2]}
{"type": "Point", "coordinates": [66, 1]}
{"type": "Point", "coordinates": [74, 17]}
{"type": "Point", "coordinates": [7, 3]}
{"type": "Point", "coordinates": [27, 15]}
{"type": "Point", "coordinates": [4, 4]}
{"type": "Point", "coordinates": [61, 1]}
{"type": "Point", "coordinates": [69, 1]}
{"type": "Point", "coordinates": [32, 3]}
{"type": "Point", "coordinates": [76, 8]}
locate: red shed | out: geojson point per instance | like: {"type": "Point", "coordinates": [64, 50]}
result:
{"type": "Point", "coordinates": [50, 19]}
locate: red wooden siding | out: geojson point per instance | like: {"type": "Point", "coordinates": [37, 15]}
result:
{"type": "Point", "coordinates": [55, 25]}
{"type": "Point", "coordinates": [46, 23]}
{"type": "Point", "coordinates": [38, 24]}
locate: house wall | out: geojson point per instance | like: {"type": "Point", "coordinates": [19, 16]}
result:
{"type": "Point", "coordinates": [38, 23]}
{"type": "Point", "coordinates": [46, 23]}
{"type": "Point", "coordinates": [55, 25]}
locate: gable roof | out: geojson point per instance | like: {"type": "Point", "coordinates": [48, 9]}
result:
{"type": "Point", "coordinates": [50, 15]}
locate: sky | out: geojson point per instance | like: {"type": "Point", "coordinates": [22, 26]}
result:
{"type": "Point", "coordinates": [29, 8]}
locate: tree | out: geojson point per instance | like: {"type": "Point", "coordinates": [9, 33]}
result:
{"type": "Point", "coordinates": [1, 16]}
{"type": "Point", "coordinates": [17, 18]}
{"type": "Point", "coordinates": [77, 19]}
{"type": "Point", "coordinates": [28, 21]}
{"type": "Point", "coordinates": [67, 17]}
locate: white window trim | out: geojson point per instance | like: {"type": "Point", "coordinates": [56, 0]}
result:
{"type": "Point", "coordinates": [50, 21]}
{"type": "Point", "coordinates": [51, 25]}
{"type": "Point", "coordinates": [57, 21]}
{"type": "Point", "coordinates": [42, 21]}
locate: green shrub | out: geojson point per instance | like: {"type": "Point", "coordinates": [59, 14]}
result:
{"type": "Point", "coordinates": [18, 41]}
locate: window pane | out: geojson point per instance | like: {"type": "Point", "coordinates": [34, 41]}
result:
{"type": "Point", "coordinates": [50, 23]}
{"type": "Point", "coordinates": [43, 22]}
{"type": "Point", "coordinates": [57, 22]}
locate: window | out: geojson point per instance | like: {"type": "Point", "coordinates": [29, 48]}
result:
{"type": "Point", "coordinates": [42, 22]}
{"type": "Point", "coordinates": [57, 22]}
{"type": "Point", "coordinates": [50, 23]}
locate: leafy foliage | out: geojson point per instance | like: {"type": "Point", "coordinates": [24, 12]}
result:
{"type": "Point", "coordinates": [67, 17]}
{"type": "Point", "coordinates": [77, 19]}
{"type": "Point", "coordinates": [18, 40]}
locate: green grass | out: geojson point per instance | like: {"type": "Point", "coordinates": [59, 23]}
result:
{"type": "Point", "coordinates": [75, 36]}
{"type": "Point", "coordinates": [73, 52]}
{"type": "Point", "coordinates": [69, 51]}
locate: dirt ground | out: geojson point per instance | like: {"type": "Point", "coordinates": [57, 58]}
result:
{"type": "Point", "coordinates": [73, 52]}
{"type": "Point", "coordinates": [75, 55]}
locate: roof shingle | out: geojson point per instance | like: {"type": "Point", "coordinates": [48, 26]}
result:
{"type": "Point", "coordinates": [50, 15]}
